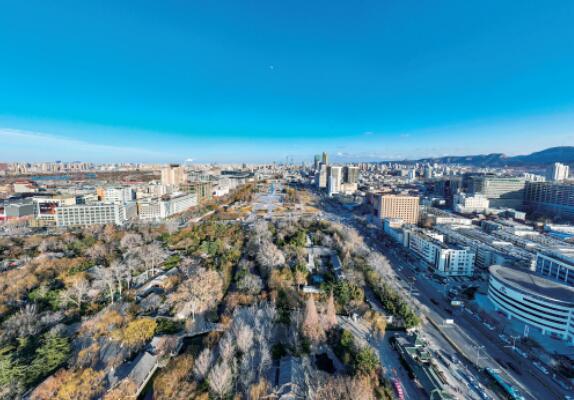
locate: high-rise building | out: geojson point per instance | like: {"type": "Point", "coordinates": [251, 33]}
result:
{"type": "Point", "coordinates": [558, 172]}
{"type": "Point", "coordinates": [325, 158]}
{"type": "Point", "coordinates": [317, 161]}
{"type": "Point", "coordinates": [502, 192]}
{"type": "Point", "coordinates": [397, 206]}
{"type": "Point", "coordinates": [550, 197]}
{"type": "Point", "coordinates": [350, 174]}
{"type": "Point", "coordinates": [335, 175]}
{"type": "Point", "coordinates": [321, 176]}
{"type": "Point", "coordinates": [173, 175]}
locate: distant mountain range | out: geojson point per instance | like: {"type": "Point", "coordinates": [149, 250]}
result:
{"type": "Point", "coordinates": [562, 154]}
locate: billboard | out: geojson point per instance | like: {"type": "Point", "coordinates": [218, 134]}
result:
{"type": "Point", "coordinates": [48, 207]}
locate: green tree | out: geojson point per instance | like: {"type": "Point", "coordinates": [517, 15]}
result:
{"type": "Point", "coordinates": [51, 354]}
{"type": "Point", "coordinates": [366, 362]}
{"type": "Point", "coordinates": [10, 370]}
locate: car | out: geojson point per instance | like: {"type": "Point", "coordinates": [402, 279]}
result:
{"type": "Point", "coordinates": [488, 326]}
{"type": "Point", "coordinates": [541, 367]}
{"type": "Point", "coordinates": [504, 338]}
{"type": "Point", "coordinates": [520, 352]}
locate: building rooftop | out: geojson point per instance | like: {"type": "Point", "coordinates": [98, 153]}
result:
{"type": "Point", "coordinates": [531, 283]}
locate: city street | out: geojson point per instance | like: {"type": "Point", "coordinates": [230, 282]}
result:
{"type": "Point", "coordinates": [476, 343]}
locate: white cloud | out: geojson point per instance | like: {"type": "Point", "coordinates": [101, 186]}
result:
{"type": "Point", "coordinates": [44, 146]}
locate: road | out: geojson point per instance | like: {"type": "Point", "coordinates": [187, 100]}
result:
{"type": "Point", "coordinates": [467, 335]}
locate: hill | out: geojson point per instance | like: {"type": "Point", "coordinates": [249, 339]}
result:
{"type": "Point", "coordinates": [562, 154]}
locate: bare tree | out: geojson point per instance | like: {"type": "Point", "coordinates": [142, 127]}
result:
{"type": "Point", "coordinates": [23, 323]}
{"type": "Point", "coordinates": [119, 271]}
{"type": "Point", "coordinates": [221, 379]}
{"type": "Point", "coordinates": [97, 252]}
{"type": "Point", "coordinates": [342, 387]}
{"type": "Point", "coordinates": [201, 291]}
{"type": "Point", "coordinates": [269, 256]}
{"type": "Point", "coordinates": [130, 242]}
{"type": "Point", "coordinates": [330, 319]}
{"type": "Point", "coordinates": [105, 279]}
{"type": "Point", "coordinates": [250, 284]}
{"type": "Point", "coordinates": [202, 364]}
{"type": "Point", "coordinates": [77, 292]}
{"type": "Point", "coordinates": [243, 337]}
{"type": "Point", "coordinates": [152, 256]}
{"type": "Point", "coordinates": [132, 267]}
{"type": "Point", "coordinates": [226, 348]}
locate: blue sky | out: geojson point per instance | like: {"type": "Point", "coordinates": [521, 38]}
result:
{"type": "Point", "coordinates": [261, 80]}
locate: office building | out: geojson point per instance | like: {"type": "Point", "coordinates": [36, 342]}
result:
{"type": "Point", "coordinates": [159, 208]}
{"type": "Point", "coordinates": [465, 204]}
{"type": "Point", "coordinates": [325, 158]}
{"type": "Point", "coordinates": [397, 206]}
{"type": "Point", "coordinates": [15, 209]}
{"type": "Point", "coordinates": [534, 178]}
{"type": "Point", "coordinates": [116, 194]}
{"type": "Point", "coordinates": [92, 214]}
{"type": "Point", "coordinates": [551, 198]}
{"type": "Point", "coordinates": [556, 265]}
{"type": "Point", "coordinates": [177, 203]}
{"type": "Point", "coordinates": [502, 192]}
{"type": "Point", "coordinates": [321, 177]}
{"type": "Point", "coordinates": [45, 206]}
{"type": "Point", "coordinates": [543, 304]}
{"type": "Point", "coordinates": [173, 175]}
{"type": "Point", "coordinates": [203, 190]}
{"type": "Point", "coordinates": [350, 174]}
{"type": "Point", "coordinates": [445, 259]}
{"type": "Point", "coordinates": [558, 172]}
{"type": "Point", "coordinates": [335, 175]}
{"type": "Point", "coordinates": [317, 161]}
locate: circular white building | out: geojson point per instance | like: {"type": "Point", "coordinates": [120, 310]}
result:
{"type": "Point", "coordinates": [537, 301]}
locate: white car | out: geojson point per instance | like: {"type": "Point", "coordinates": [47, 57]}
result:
{"type": "Point", "coordinates": [522, 353]}
{"type": "Point", "coordinates": [504, 338]}
{"type": "Point", "coordinates": [541, 367]}
{"type": "Point", "coordinates": [488, 326]}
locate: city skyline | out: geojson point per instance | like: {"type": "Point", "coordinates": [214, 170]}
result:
{"type": "Point", "coordinates": [378, 81]}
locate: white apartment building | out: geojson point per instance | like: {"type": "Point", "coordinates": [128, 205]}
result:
{"type": "Point", "coordinates": [92, 214]}
{"type": "Point", "coordinates": [465, 204]}
{"type": "Point", "coordinates": [160, 208]}
{"type": "Point", "coordinates": [558, 172]}
{"type": "Point", "coordinates": [177, 203]}
{"type": "Point", "coordinates": [117, 194]}
{"type": "Point", "coordinates": [445, 259]}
